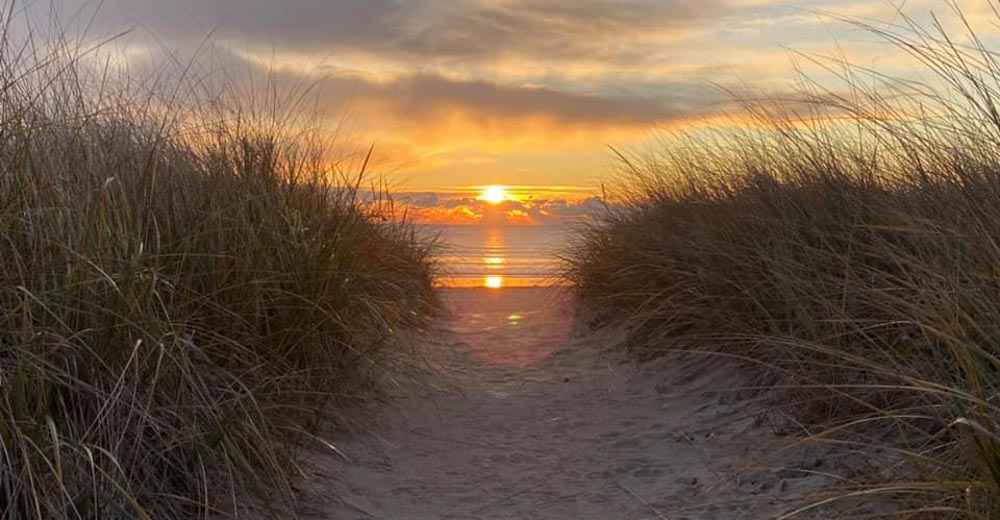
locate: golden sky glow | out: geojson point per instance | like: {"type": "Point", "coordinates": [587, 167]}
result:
{"type": "Point", "coordinates": [460, 94]}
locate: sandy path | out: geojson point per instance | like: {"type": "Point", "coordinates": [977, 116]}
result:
{"type": "Point", "coordinates": [535, 422]}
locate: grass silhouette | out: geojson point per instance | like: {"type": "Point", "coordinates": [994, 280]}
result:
{"type": "Point", "coordinates": [845, 239]}
{"type": "Point", "coordinates": [185, 280]}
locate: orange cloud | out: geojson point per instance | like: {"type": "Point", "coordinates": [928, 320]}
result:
{"type": "Point", "coordinates": [523, 209]}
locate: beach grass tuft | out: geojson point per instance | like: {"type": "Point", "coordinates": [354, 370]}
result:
{"type": "Point", "coordinates": [845, 241]}
{"type": "Point", "coordinates": [186, 279]}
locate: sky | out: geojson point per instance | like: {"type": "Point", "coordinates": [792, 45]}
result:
{"type": "Point", "coordinates": [531, 94]}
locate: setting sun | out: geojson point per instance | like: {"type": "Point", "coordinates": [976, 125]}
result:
{"type": "Point", "coordinates": [493, 282]}
{"type": "Point", "coordinates": [494, 194]}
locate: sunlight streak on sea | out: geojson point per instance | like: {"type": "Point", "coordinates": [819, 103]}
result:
{"type": "Point", "coordinates": [498, 257]}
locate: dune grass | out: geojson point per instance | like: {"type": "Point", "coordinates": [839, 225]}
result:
{"type": "Point", "coordinates": [847, 242]}
{"type": "Point", "coordinates": [184, 281]}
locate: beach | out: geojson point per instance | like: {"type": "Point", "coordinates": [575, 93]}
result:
{"type": "Point", "coordinates": [540, 419]}
{"type": "Point", "coordinates": [499, 259]}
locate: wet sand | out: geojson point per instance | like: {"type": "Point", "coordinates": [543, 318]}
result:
{"type": "Point", "coordinates": [533, 417]}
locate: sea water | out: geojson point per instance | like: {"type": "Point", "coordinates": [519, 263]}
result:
{"type": "Point", "coordinates": [500, 256]}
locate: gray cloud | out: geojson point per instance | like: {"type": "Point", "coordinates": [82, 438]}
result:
{"type": "Point", "coordinates": [549, 29]}
{"type": "Point", "coordinates": [544, 29]}
{"type": "Point", "coordinates": [423, 95]}
{"type": "Point", "coordinates": [295, 23]}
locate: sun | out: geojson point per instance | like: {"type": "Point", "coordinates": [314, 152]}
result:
{"type": "Point", "coordinates": [494, 194]}
{"type": "Point", "coordinates": [493, 282]}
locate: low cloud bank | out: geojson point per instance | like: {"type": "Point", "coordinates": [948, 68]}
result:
{"type": "Point", "coordinates": [466, 209]}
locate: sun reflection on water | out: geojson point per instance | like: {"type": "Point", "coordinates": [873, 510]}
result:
{"type": "Point", "coordinates": [494, 242]}
{"type": "Point", "coordinates": [497, 258]}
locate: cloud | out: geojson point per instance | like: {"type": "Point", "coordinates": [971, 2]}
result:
{"type": "Point", "coordinates": [458, 92]}
{"type": "Point", "coordinates": [422, 96]}
{"type": "Point", "coordinates": [419, 29]}
{"type": "Point", "coordinates": [465, 209]}
{"type": "Point", "coordinates": [303, 24]}
{"type": "Point", "coordinates": [477, 74]}
{"type": "Point", "coordinates": [552, 29]}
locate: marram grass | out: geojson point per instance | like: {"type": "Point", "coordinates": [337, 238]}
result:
{"type": "Point", "coordinates": [851, 245]}
{"type": "Point", "coordinates": [183, 283]}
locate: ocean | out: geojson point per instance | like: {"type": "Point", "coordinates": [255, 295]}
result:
{"type": "Point", "coordinates": [500, 256]}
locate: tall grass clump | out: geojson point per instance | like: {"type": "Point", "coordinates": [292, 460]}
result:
{"type": "Point", "coordinates": [848, 240]}
{"type": "Point", "coordinates": [183, 283]}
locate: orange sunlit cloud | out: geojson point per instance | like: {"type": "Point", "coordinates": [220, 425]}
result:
{"type": "Point", "coordinates": [498, 205]}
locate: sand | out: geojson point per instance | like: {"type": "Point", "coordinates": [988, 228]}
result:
{"type": "Point", "coordinates": [532, 416]}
